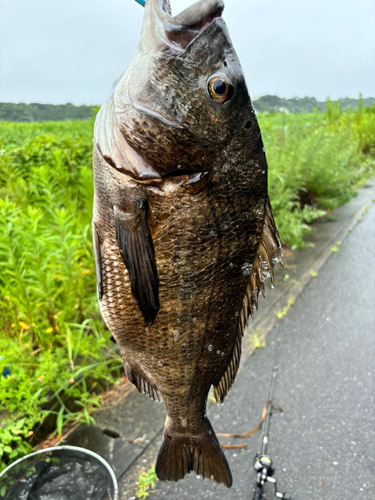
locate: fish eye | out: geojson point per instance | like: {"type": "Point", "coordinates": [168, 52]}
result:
{"type": "Point", "coordinates": [220, 88]}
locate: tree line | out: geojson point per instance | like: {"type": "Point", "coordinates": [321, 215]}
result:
{"type": "Point", "coordinates": [36, 112]}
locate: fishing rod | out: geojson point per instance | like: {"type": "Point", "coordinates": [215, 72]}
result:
{"type": "Point", "coordinates": [263, 464]}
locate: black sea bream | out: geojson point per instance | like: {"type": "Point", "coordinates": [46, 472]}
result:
{"type": "Point", "coordinates": [183, 229]}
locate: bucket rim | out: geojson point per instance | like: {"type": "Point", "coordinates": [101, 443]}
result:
{"type": "Point", "coordinates": [74, 448]}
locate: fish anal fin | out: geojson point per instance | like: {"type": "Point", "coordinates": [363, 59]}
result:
{"type": "Point", "coordinates": [98, 259]}
{"type": "Point", "coordinates": [269, 254]}
{"type": "Point", "coordinates": [180, 454]}
{"type": "Point", "coordinates": [138, 255]}
{"type": "Point", "coordinates": [141, 383]}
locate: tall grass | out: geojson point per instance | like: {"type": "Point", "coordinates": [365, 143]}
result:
{"type": "Point", "coordinates": [18, 134]}
{"type": "Point", "coordinates": [52, 337]}
{"type": "Point", "coordinates": [316, 166]}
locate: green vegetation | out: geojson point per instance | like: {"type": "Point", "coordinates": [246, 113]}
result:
{"type": "Point", "coordinates": [267, 104]}
{"type": "Point", "coordinates": [14, 135]}
{"type": "Point", "coordinates": [284, 312]}
{"type": "Point", "coordinates": [317, 166]}
{"type": "Point", "coordinates": [36, 112]}
{"type": "Point", "coordinates": [52, 338]}
{"type": "Point", "coordinates": [258, 341]}
{"type": "Point", "coordinates": [275, 104]}
{"type": "Point", "coordinates": [146, 481]}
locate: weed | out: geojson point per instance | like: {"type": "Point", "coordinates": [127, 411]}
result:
{"type": "Point", "coordinates": [51, 329]}
{"type": "Point", "coordinates": [257, 341]}
{"type": "Point", "coordinates": [285, 311]}
{"type": "Point", "coordinates": [316, 163]}
{"type": "Point", "coordinates": [366, 209]}
{"type": "Point", "coordinates": [334, 249]}
{"type": "Point", "coordinates": [338, 243]}
{"type": "Point", "coordinates": [12, 444]}
{"type": "Point", "coordinates": [146, 481]}
{"type": "Point", "coordinates": [350, 230]}
{"type": "Point", "coordinates": [313, 274]}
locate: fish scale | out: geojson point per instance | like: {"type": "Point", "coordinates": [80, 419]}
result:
{"type": "Point", "coordinates": [183, 230]}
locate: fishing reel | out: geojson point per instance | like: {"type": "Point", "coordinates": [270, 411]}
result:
{"type": "Point", "coordinates": [264, 467]}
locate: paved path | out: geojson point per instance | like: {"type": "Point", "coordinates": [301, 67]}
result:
{"type": "Point", "coordinates": [323, 445]}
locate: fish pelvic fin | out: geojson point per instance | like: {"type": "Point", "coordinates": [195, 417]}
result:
{"type": "Point", "coordinates": [138, 255]}
{"type": "Point", "coordinates": [180, 454]}
{"type": "Point", "coordinates": [268, 255]}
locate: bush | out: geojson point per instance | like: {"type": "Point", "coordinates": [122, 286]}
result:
{"type": "Point", "coordinates": [52, 336]}
{"type": "Point", "coordinates": [315, 167]}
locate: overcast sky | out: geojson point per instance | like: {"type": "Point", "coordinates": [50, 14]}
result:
{"type": "Point", "coordinates": [58, 51]}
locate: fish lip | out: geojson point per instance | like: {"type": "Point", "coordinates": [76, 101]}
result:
{"type": "Point", "coordinates": [182, 29]}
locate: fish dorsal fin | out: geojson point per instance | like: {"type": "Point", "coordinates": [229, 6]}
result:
{"type": "Point", "coordinates": [268, 255]}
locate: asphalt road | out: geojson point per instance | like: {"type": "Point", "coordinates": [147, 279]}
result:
{"type": "Point", "coordinates": [323, 444]}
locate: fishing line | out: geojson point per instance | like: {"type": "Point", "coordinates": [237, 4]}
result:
{"type": "Point", "coordinates": [263, 464]}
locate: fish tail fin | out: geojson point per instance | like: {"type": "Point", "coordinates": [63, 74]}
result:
{"type": "Point", "coordinates": [180, 454]}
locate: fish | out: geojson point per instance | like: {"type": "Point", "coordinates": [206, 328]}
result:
{"type": "Point", "coordinates": [183, 230]}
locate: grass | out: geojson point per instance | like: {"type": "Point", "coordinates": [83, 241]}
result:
{"type": "Point", "coordinates": [317, 166]}
{"type": "Point", "coordinates": [147, 480]}
{"type": "Point", "coordinates": [55, 353]}
{"type": "Point", "coordinates": [53, 341]}
{"type": "Point", "coordinates": [281, 314]}
{"type": "Point", "coordinates": [17, 134]}
{"type": "Point", "coordinates": [258, 341]}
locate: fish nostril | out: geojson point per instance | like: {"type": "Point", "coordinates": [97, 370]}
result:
{"type": "Point", "coordinates": [247, 125]}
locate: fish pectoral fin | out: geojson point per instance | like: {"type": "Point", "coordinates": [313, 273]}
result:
{"type": "Point", "coordinates": [98, 259]}
{"type": "Point", "coordinates": [138, 255]}
{"type": "Point", "coordinates": [269, 254]}
{"type": "Point", "coordinates": [181, 454]}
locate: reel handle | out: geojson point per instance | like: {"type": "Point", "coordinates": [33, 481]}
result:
{"type": "Point", "coordinates": [264, 467]}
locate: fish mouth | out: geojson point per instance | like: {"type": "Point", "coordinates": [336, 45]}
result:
{"type": "Point", "coordinates": [182, 29]}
